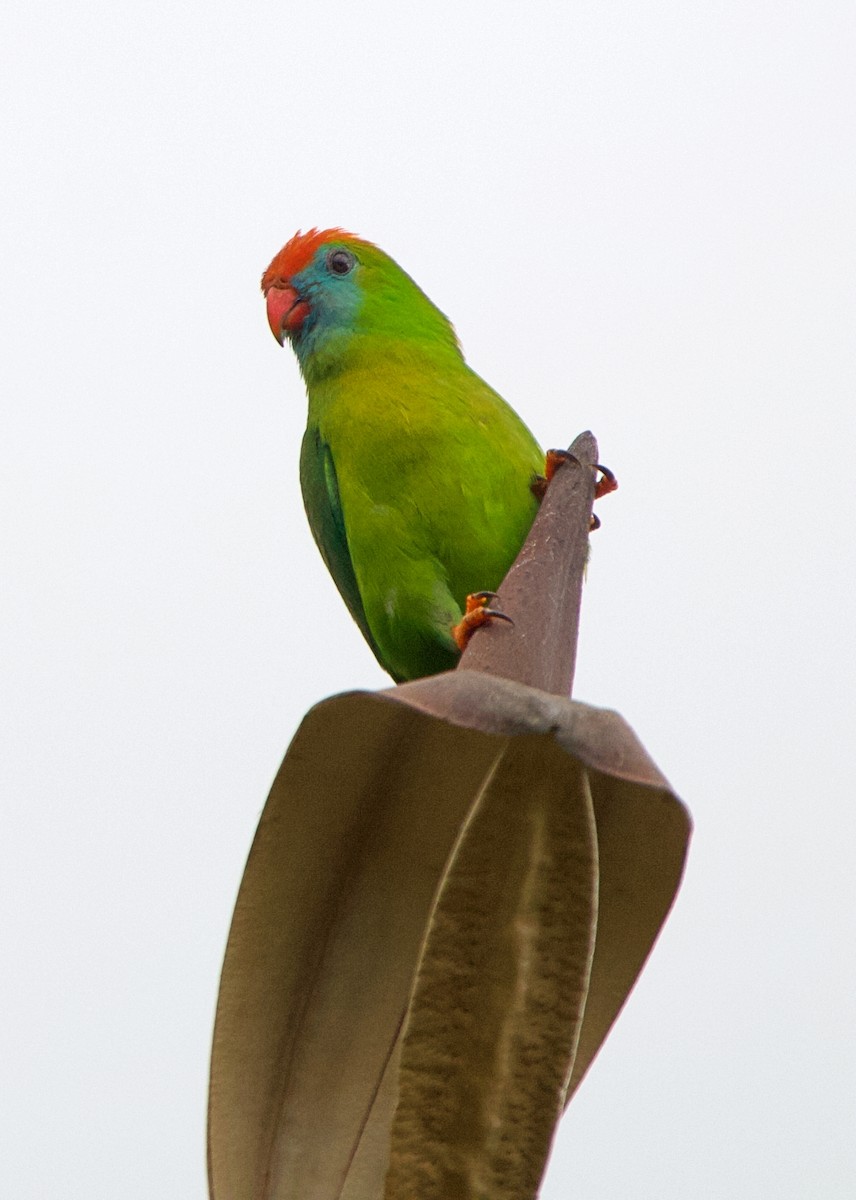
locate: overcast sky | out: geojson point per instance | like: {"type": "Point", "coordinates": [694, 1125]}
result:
{"type": "Point", "coordinates": [642, 220]}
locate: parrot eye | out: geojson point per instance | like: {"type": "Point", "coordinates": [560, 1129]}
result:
{"type": "Point", "coordinates": [340, 262]}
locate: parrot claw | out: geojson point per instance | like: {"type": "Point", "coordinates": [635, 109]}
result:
{"type": "Point", "coordinates": [477, 613]}
{"type": "Point", "coordinates": [479, 599]}
{"type": "Point", "coordinates": [553, 459]}
{"type": "Point", "coordinates": [607, 482]}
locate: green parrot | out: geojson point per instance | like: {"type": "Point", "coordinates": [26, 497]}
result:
{"type": "Point", "coordinates": [417, 477]}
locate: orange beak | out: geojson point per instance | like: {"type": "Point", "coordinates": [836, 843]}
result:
{"type": "Point", "coordinates": [286, 311]}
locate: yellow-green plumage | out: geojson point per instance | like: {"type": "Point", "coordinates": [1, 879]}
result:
{"type": "Point", "coordinates": [416, 475]}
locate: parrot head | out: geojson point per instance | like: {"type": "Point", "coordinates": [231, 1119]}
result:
{"type": "Point", "coordinates": [327, 286]}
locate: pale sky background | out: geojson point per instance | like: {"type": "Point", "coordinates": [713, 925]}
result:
{"type": "Point", "coordinates": [642, 220]}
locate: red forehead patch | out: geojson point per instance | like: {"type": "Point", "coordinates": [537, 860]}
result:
{"type": "Point", "coordinates": [299, 252]}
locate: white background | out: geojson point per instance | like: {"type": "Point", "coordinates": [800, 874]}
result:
{"type": "Point", "coordinates": [641, 219]}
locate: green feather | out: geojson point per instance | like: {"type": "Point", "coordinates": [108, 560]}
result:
{"type": "Point", "coordinates": [321, 498]}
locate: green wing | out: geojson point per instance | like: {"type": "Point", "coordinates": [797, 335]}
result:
{"type": "Point", "coordinates": [326, 520]}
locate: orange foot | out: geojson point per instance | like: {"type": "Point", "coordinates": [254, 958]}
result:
{"type": "Point", "coordinates": [477, 613]}
{"type": "Point", "coordinates": [553, 460]}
